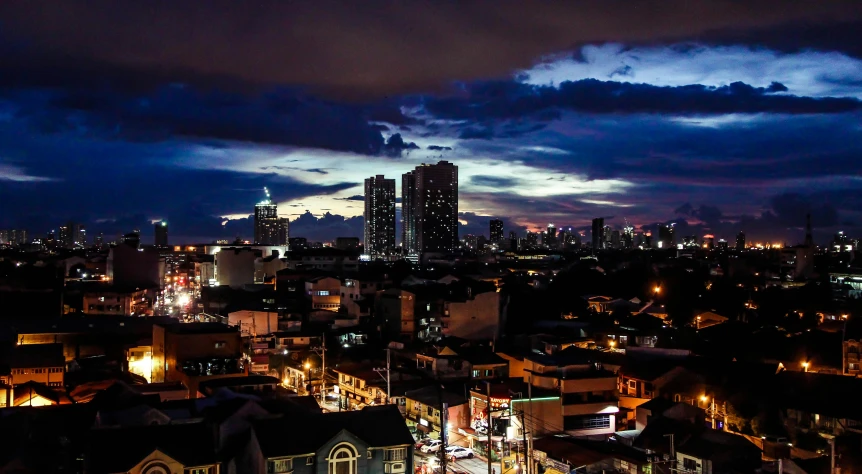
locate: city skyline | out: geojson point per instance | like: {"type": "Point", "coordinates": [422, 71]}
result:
{"type": "Point", "coordinates": [719, 123]}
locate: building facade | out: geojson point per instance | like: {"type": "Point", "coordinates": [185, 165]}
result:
{"type": "Point", "coordinates": [430, 208]}
{"type": "Point", "coordinates": [379, 216]}
{"type": "Point", "coordinates": [496, 231]}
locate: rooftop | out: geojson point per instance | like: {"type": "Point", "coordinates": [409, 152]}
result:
{"type": "Point", "coordinates": [435, 396]}
{"type": "Point", "coordinates": [199, 328]}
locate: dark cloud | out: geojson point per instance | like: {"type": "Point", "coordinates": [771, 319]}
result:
{"type": "Point", "coordinates": [792, 209]}
{"type": "Point", "coordinates": [409, 47]}
{"type": "Point", "coordinates": [439, 148]}
{"type": "Point", "coordinates": [493, 181]}
{"type": "Point", "coordinates": [283, 117]}
{"type": "Point", "coordinates": [510, 100]}
{"type": "Point", "coordinates": [326, 227]}
{"type": "Point", "coordinates": [395, 146]}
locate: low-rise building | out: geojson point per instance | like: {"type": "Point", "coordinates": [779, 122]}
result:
{"type": "Point", "coordinates": [118, 301]}
{"type": "Point", "coordinates": [324, 293]}
{"type": "Point", "coordinates": [194, 352]}
{"type": "Point", "coordinates": [42, 363]}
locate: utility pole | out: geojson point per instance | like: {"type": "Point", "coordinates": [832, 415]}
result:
{"type": "Point", "coordinates": [444, 433]}
{"type": "Point", "coordinates": [524, 436]}
{"type": "Point", "coordinates": [488, 453]}
{"type": "Point", "coordinates": [321, 351]}
{"type": "Point", "coordinates": [387, 378]}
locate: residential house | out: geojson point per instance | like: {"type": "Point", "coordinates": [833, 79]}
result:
{"type": "Point", "coordinates": [374, 439]}
{"type": "Point", "coordinates": [187, 448]}
{"type": "Point", "coordinates": [359, 384]}
{"type": "Point", "coordinates": [715, 451]}
{"type": "Point", "coordinates": [810, 403]}
{"type": "Point", "coordinates": [395, 308]}
{"type": "Point", "coordinates": [324, 293]}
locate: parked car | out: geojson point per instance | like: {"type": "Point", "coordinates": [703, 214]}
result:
{"type": "Point", "coordinates": [432, 446]}
{"type": "Point", "coordinates": [422, 441]}
{"type": "Point", "coordinates": [458, 452]}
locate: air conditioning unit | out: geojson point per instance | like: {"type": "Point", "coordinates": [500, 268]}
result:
{"type": "Point", "coordinates": [394, 468]}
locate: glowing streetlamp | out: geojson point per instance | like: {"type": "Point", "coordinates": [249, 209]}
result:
{"type": "Point", "coordinates": [657, 289]}
{"type": "Point", "coordinates": [805, 366]}
{"type": "Point", "coordinates": [612, 344]}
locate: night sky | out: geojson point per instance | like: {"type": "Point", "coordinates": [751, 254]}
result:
{"type": "Point", "coordinates": [717, 115]}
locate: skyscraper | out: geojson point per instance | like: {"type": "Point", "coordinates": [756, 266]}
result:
{"type": "Point", "coordinates": [598, 233]}
{"type": "Point", "coordinates": [430, 208]}
{"type": "Point", "coordinates": [408, 212]}
{"type": "Point", "coordinates": [551, 237]}
{"type": "Point", "coordinates": [72, 235]}
{"type": "Point", "coordinates": [496, 230]}
{"type": "Point", "coordinates": [283, 231]}
{"type": "Point", "coordinates": [379, 216]}
{"type": "Point", "coordinates": [161, 233]}
{"type": "Point", "coordinates": [666, 236]}
{"type": "Point", "coordinates": [266, 223]}
{"type": "Point", "coordinates": [740, 241]}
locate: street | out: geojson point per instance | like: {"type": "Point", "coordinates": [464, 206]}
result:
{"type": "Point", "coordinates": [476, 465]}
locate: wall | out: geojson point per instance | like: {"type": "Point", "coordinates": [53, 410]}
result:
{"type": "Point", "coordinates": [257, 322]}
{"type": "Point", "coordinates": [129, 266]}
{"type": "Point", "coordinates": [396, 308]}
{"type": "Point", "coordinates": [478, 318]}
{"type": "Point", "coordinates": [234, 267]}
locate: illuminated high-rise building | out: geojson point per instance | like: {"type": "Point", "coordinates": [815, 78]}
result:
{"type": "Point", "coordinates": [379, 216]}
{"type": "Point", "coordinates": [160, 230]}
{"type": "Point", "coordinates": [266, 223]}
{"type": "Point", "coordinates": [408, 212]}
{"type": "Point", "coordinates": [496, 230]}
{"type": "Point", "coordinates": [429, 207]}
{"type": "Point", "coordinates": [666, 237]}
{"type": "Point", "coordinates": [628, 236]}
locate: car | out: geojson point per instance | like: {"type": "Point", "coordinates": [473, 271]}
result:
{"type": "Point", "coordinates": [432, 446]}
{"type": "Point", "coordinates": [422, 441]}
{"type": "Point", "coordinates": [458, 452]}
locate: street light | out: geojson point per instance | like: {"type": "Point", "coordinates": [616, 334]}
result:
{"type": "Point", "coordinates": [657, 289]}
{"type": "Point", "coordinates": [805, 366]}
{"type": "Point", "coordinates": [612, 344]}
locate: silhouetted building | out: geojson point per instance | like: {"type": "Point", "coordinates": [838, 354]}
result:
{"type": "Point", "coordinates": [430, 208]}
{"type": "Point", "coordinates": [496, 230]}
{"type": "Point", "coordinates": [740, 241]}
{"type": "Point", "coordinates": [351, 243]}
{"type": "Point", "coordinates": [615, 240]}
{"type": "Point", "coordinates": [161, 232]}
{"type": "Point", "coordinates": [551, 236]}
{"type": "Point", "coordinates": [72, 235]}
{"type": "Point", "coordinates": [379, 216]}
{"type": "Point", "coordinates": [666, 237]}
{"type": "Point", "coordinates": [598, 233]}
{"type": "Point", "coordinates": [297, 243]}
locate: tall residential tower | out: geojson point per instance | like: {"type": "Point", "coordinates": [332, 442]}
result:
{"type": "Point", "coordinates": [379, 216]}
{"type": "Point", "coordinates": [430, 208]}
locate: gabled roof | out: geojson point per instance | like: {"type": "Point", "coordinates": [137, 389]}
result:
{"type": "Point", "coordinates": [114, 450]}
{"type": "Point", "coordinates": [378, 426]}
{"type": "Point", "coordinates": [23, 393]}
